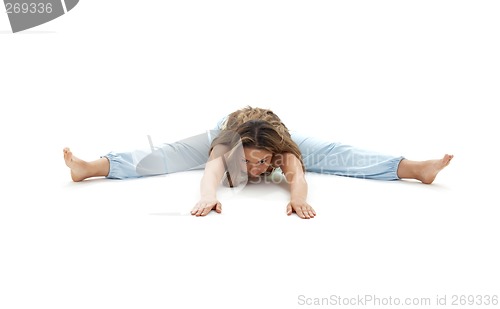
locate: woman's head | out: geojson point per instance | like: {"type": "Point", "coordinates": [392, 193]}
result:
{"type": "Point", "coordinates": [256, 160]}
{"type": "Point", "coordinates": [259, 134]}
{"type": "Point", "coordinates": [262, 135]}
{"type": "Point", "coordinates": [260, 142]}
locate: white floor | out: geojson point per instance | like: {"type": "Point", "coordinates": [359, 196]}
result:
{"type": "Point", "coordinates": [419, 81]}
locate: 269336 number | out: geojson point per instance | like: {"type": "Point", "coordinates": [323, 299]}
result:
{"type": "Point", "coordinates": [474, 300]}
{"type": "Point", "coordinates": [28, 8]}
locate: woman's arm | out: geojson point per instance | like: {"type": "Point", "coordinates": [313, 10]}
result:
{"type": "Point", "coordinates": [214, 170]}
{"type": "Point", "coordinates": [292, 169]}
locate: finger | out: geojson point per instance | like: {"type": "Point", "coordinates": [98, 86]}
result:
{"type": "Point", "coordinates": [200, 210]}
{"type": "Point", "coordinates": [305, 211]}
{"type": "Point", "coordinates": [206, 210]}
{"type": "Point", "coordinates": [195, 209]}
{"type": "Point", "coordinates": [311, 213]}
{"type": "Point", "coordinates": [300, 213]}
{"type": "Point", "coordinates": [289, 209]}
{"type": "Point", "coordinates": [218, 207]}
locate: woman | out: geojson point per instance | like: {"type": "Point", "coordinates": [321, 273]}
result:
{"type": "Point", "coordinates": [247, 145]}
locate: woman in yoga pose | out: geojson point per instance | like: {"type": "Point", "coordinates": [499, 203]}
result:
{"type": "Point", "coordinates": [247, 145]}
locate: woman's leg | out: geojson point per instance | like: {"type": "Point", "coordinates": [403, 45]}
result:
{"type": "Point", "coordinates": [187, 154]}
{"type": "Point", "coordinates": [334, 158]}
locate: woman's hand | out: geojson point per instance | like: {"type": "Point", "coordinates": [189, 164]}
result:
{"type": "Point", "coordinates": [303, 210]}
{"type": "Point", "coordinates": [205, 205]}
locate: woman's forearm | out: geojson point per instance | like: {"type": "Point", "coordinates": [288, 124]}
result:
{"type": "Point", "coordinates": [208, 185]}
{"type": "Point", "coordinates": [214, 169]}
{"type": "Point", "coordinates": [298, 188]}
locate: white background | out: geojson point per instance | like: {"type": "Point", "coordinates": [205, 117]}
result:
{"type": "Point", "coordinates": [416, 78]}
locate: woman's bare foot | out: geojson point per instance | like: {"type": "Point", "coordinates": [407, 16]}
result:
{"type": "Point", "coordinates": [425, 171]}
{"type": "Point", "coordinates": [81, 170]}
{"type": "Point", "coordinates": [431, 168]}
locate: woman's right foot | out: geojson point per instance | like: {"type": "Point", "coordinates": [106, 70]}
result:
{"type": "Point", "coordinates": [79, 168]}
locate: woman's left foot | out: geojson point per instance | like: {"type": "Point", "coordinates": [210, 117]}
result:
{"type": "Point", "coordinates": [431, 168]}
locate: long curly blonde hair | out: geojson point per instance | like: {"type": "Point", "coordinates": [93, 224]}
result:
{"type": "Point", "coordinates": [258, 128]}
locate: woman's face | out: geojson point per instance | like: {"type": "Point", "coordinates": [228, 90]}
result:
{"type": "Point", "coordinates": [257, 160]}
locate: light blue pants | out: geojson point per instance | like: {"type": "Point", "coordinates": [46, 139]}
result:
{"type": "Point", "coordinates": [319, 156]}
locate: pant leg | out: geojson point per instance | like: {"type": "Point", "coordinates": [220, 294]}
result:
{"type": "Point", "coordinates": [335, 158]}
{"type": "Point", "coordinates": [187, 154]}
